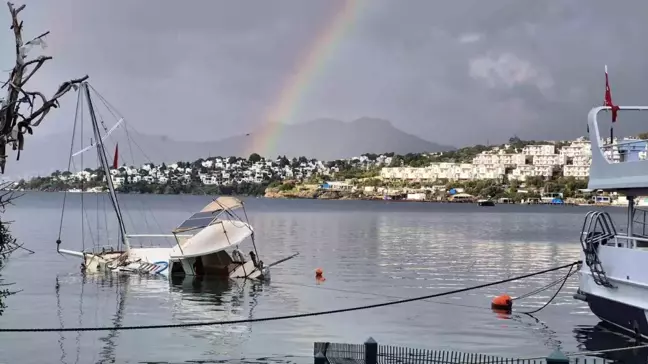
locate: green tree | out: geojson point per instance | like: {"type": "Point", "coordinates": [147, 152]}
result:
{"type": "Point", "coordinates": [254, 158]}
{"type": "Point", "coordinates": [283, 162]}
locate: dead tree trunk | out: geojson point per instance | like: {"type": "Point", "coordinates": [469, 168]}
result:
{"type": "Point", "coordinates": [21, 109]}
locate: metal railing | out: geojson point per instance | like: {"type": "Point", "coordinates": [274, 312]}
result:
{"type": "Point", "coordinates": [372, 353]}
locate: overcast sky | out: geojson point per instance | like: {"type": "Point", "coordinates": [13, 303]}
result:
{"type": "Point", "coordinates": [454, 72]}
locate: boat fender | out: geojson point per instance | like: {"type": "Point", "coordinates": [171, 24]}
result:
{"type": "Point", "coordinates": [502, 303]}
{"type": "Point", "coordinates": [254, 259]}
{"type": "Point", "coordinates": [319, 275]}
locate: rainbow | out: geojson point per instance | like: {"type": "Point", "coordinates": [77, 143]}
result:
{"type": "Point", "coordinates": [310, 64]}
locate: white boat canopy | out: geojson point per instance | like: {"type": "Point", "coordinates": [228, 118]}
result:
{"type": "Point", "coordinates": [209, 213]}
{"type": "Point", "coordinates": [223, 203]}
{"type": "Point", "coordinates": [218, 236]}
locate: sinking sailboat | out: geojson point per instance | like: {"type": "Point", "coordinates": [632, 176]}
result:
{"type": "Point", "coordinates": [205, 244]}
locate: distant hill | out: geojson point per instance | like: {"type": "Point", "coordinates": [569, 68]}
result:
{"type": "Point", "coordinates": [323, 139]}
{"type": "Point", "coordinates": [328, 139]}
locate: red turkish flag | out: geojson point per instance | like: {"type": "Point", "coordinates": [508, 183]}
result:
{"type": "Point", "coordinates": [608, 97]}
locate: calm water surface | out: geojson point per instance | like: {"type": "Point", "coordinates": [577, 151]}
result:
{"type": "Point", "coordinates": [368, 250]}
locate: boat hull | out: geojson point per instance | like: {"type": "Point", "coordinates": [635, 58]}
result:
{"type": "Point", "coordinates": [625, 305]}
{"type": "Point", "coordinates": [159, 261]}
{"type": "Point", "coordinates": [628, 318]}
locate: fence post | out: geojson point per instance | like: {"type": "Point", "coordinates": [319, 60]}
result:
{"type": "Point", "coordinates": [557, 357]}
{"type": "Point", "coordinates": [320, 358]}
{"type": "Point", "coordinates": [371, 351]}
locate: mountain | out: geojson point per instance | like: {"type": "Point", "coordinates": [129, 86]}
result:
{"type": "Point", "coordinates": [323, 139]}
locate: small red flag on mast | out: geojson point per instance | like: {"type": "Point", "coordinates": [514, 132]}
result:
{"type": "Point", "coordinates": [608, 97]}
{"type": "Point", "coordinates": [116, 158]}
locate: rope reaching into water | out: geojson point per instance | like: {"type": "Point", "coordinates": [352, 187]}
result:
{"type": "Point", "coordinates": [545, 287]}
{"type": "Point", "coordinates": [564, 280]}
{"type": "Point", "coordinates": [289, 317]}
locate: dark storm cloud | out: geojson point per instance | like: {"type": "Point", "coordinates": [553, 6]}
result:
{"type": "Point", "coordinates": [458, 72]}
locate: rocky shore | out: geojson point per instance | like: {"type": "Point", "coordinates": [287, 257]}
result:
{"type": "Point", "coordinates": [310, 193]}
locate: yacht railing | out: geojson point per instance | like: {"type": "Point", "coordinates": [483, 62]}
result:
{"type": "Point", "coordinates": [622, 152]}
{"type": "Point", "coordinates": [97, 249]}
{"type": "Point", "coordinates": [149, 238]}
{"type": "Point", "coordinates": [629, 241]}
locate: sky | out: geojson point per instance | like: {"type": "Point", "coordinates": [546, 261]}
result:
{"type": "Point", "coordinates": [453, 72]}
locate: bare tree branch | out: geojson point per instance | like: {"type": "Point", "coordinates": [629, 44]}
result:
{"type": "Point", "coordinates": [14, 123]}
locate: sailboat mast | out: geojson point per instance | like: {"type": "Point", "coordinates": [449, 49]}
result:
{"type": "Point", "coordinates": [103, 159]}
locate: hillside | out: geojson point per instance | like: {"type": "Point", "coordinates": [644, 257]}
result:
{"type": "Point", "coordinates": [323, 139]}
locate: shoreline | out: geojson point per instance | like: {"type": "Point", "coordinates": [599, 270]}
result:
{"type": "Point", "coordinates": [308, 194]}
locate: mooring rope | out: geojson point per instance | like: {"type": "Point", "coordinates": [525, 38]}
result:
{"type": "Point", "coordinates": [545, 287]}
{"type": "Point", "coordinates": [526, 295]}
{"type": "Point", "coordinates": [375, 294]}
{"type": "Point", "coordinates": [289, 317]}
{"type": "Point", "coordinates": [569, 274]}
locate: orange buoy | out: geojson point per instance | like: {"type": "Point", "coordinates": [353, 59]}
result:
{"type": "Point", "coordinates": [319, 275]}
{"type": "Point", "coordinates": [502, 302]}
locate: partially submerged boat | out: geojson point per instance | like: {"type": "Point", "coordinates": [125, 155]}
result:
{"type": "Point", "coordinates": [207, 243]}
{"type": "Point", "coordinates": [204, 238]}
{"type": "Point", "coordinates": [613, 278]}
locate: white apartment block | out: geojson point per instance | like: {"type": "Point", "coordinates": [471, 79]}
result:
{"type": "Point", "coordinates": [577, 171]}
{"type": "Point", "coordinates": [543, 149]}
{"type": "Point", "coordinates": [548, 159]}
{"type": "Point", "coordinates": [521, 173]}
{"type": "Point", "coordinates": [580, 160]}
{"type": "Point", "coordinates": [578, 147]}
{"type": "Point", "coordinates": [409, 173]}
{"type": "Point", "coordinates": [533, 161]}
{"type": "Point", "coordinates": [501, 158]}
{"type": "Point", "coordinates": [449, 171]}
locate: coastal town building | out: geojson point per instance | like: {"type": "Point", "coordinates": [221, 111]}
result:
{"type": "Point", "coordinates": [569, 159]}
{"type": "Point", "coordinates": [572, 159]}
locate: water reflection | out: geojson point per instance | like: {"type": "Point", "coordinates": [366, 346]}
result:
{"type": "Point", "coordinates": [604, 337]}
{"type": "Point", "coordinates": [120, 284]}
{"type": "Point", "coordinates": [191, 299]}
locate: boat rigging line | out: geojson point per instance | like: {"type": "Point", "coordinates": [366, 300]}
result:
{"type": "Point", "coordinates": [293, 316]}
{"type": "Point", "coordinates": [76, 119]}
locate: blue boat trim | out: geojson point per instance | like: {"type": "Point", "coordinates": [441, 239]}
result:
{"type": "Point", "coordinates": [619, 314]}
{"type": "Point", "coordinates": [162, 266]}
